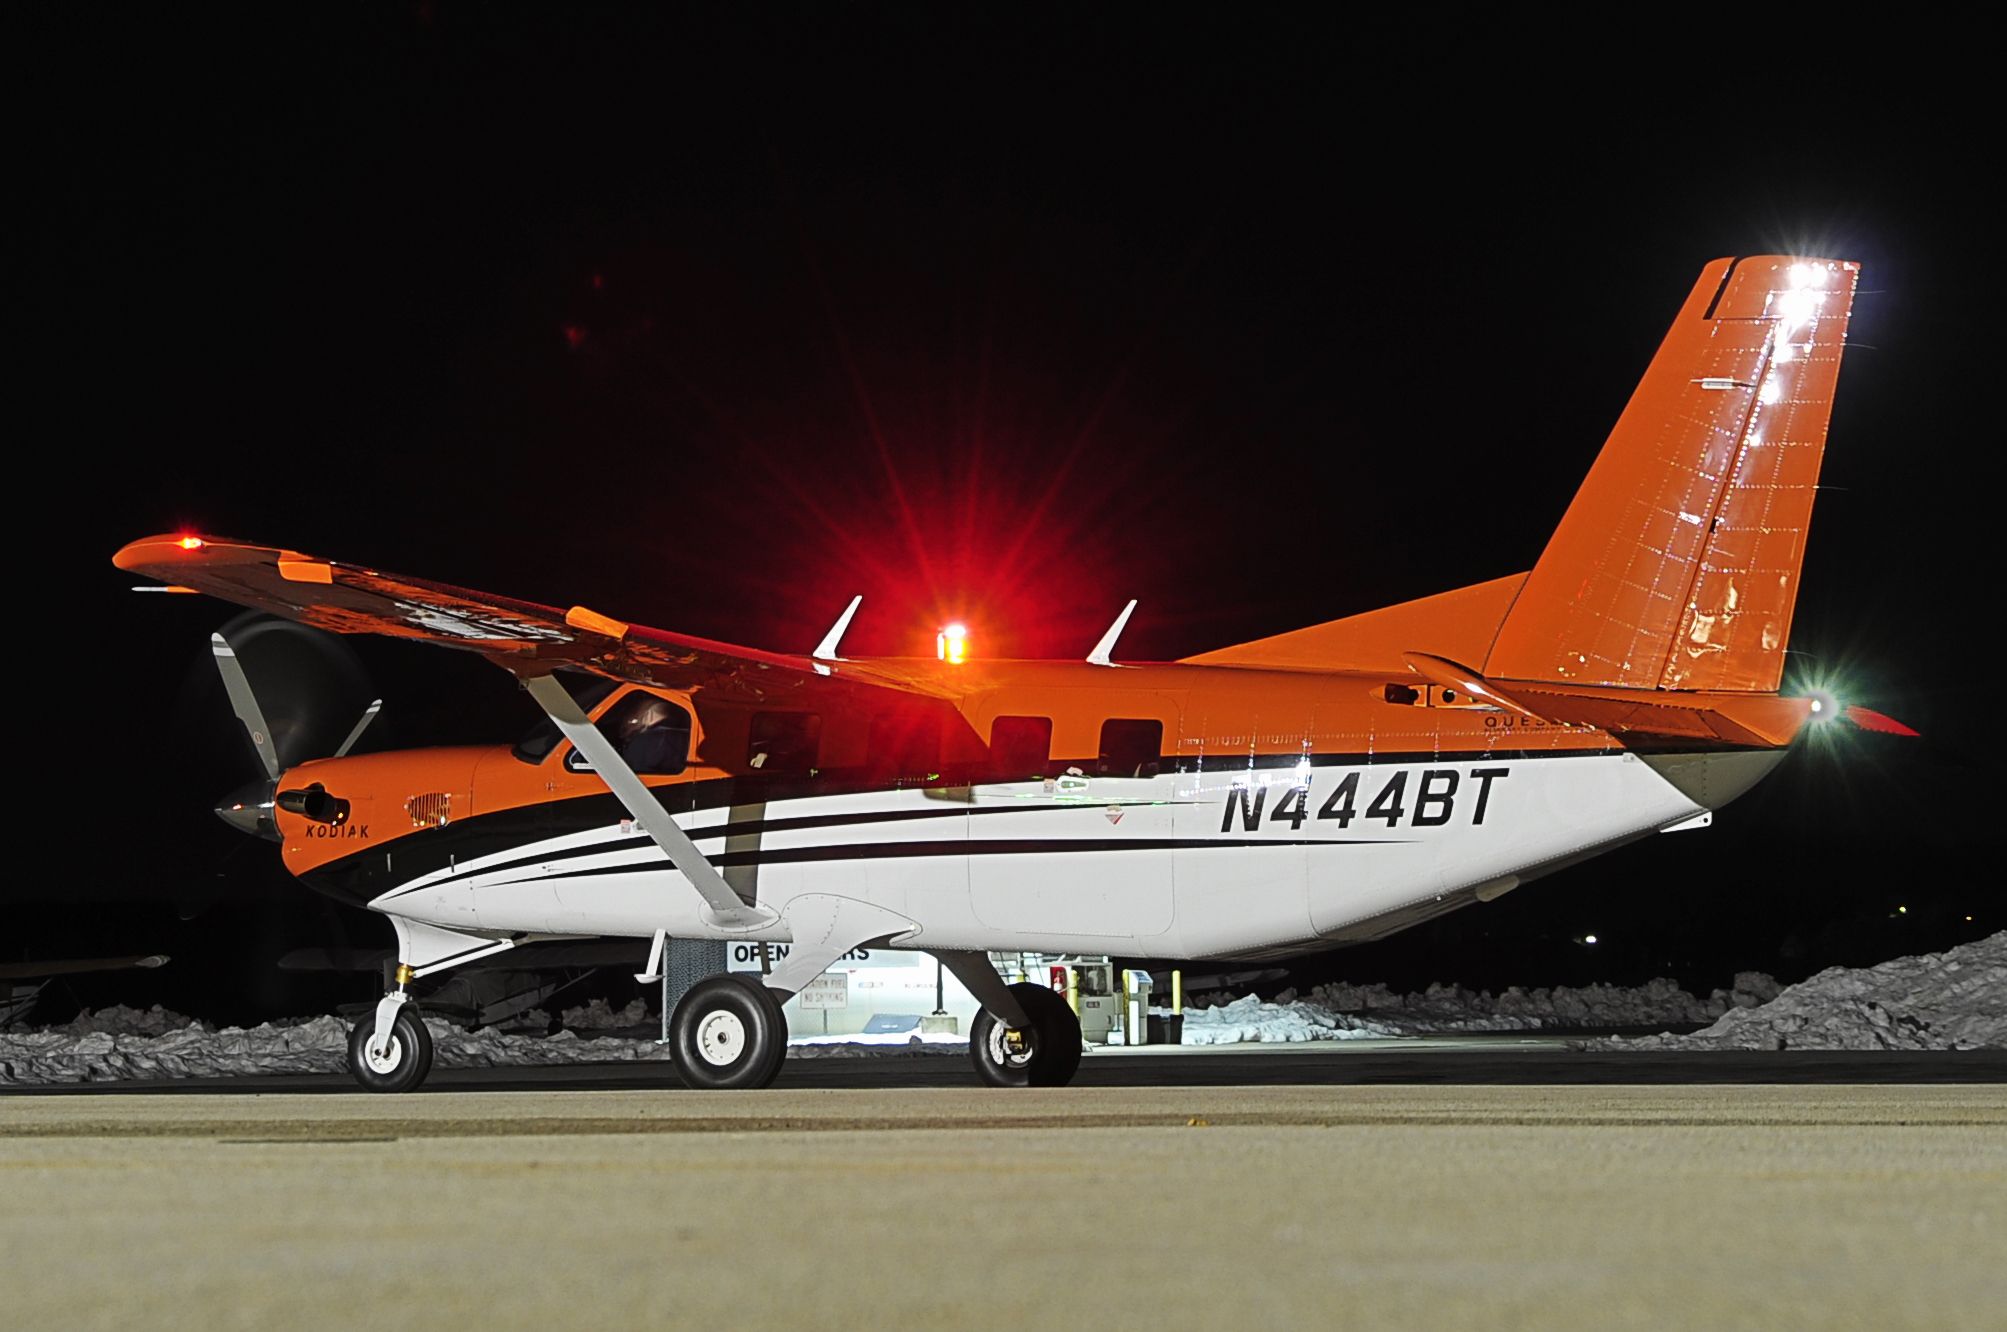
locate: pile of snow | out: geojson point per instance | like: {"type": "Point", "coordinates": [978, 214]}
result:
{"type": "Point", "coordinates": [118, 1020]}
{"type": "Point", "coordinates": [70, 1054]}
{"type": "Point", "coordinates": [1955, 1000]}
{"type": "Point", "coordinates": [124, 1044]}
{"type": "Point", "coordinates": [1452, 1008]}
{"type": "Point", "coordinates": [599, 1015]}
{"type": "Point", "coordinates": [1287, 1022]}
{"type": "Point", "coordinates": [1350, 1012]}
{"type": "Point", "coordinates": [878, 1043]}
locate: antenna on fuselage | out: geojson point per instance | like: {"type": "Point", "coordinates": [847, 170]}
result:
{"type": "Point", "coordinates": [1099, 656]}
{"type": "Point", "coordinates": [826, 649]}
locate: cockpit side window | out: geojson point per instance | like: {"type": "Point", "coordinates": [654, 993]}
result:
{"type": "Point", "coordinates": [588, 691]}
{"type": "Point", "coordinates": [651, 733]}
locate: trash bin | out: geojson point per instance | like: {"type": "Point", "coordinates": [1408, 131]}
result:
{"type": "Point", "coordinates": [1167, 1030]}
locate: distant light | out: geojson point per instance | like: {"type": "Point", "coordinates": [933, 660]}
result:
{"type": "Point", "coordinates": [1902, 911]}
{"type": "Point", "coordinates": [1824, 708]}
{"type": "Point", "coordinates": [190, 543]}
{"type": "Point", "coordinates": [952, 643]}
{"type": "Point", "coordinates": [1588, 938]}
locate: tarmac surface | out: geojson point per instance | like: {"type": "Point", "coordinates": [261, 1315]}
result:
{"type": "Point", "coordinates": [1475, 1189]}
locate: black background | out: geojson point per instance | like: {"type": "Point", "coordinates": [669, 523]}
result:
{"type": "Point", "coordinates": [710, 322]}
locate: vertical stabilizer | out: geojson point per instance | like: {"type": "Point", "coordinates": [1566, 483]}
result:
{"type": "Point", "coordinates": [1677, 564]}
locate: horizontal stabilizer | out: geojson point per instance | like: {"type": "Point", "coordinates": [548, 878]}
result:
{"type": "Point", "coordinates": [1722, 717]}
{"type": "Point", "coordinates": [1870, 720]}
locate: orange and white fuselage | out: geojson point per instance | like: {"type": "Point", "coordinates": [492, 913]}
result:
{"type": "Point", "coordinates": [1324, 786]}
{"type": "Point", "coordinates": [1249, 837]}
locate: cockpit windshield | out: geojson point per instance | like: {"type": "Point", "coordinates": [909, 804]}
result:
{"type": "Point", "coordinates": [589, 691]}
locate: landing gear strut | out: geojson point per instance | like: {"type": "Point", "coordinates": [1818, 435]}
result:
{"type": "Point", "coordinates": [728, 1032]}
{"type": "Point", "coordinates": [1045, 1054]}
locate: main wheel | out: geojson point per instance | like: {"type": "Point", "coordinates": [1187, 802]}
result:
{"type": "Point", "coordinates": [728, 1032]}
{"type": "Point", "coordinates": [402, 1066]}
{"type": "Point", "coordinates": [1047, 1055]}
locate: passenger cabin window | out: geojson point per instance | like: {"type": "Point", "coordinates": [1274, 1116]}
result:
{"type": "Point", "coordinates": [588, 691]}
{"type": "Point", "coordinates": [784, 742]}
{"type": "Point", "coordinates": [1130, 747]}
{"type": "Point", "coordinates": [906, 745]}
{"type": "Point", "coordinates": [1020, 747]}
{"type": "Point", "coordinates": [652, 735]}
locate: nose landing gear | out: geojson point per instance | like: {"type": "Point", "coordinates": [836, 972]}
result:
{"type": "Point", "coordinates": [400, 1062]}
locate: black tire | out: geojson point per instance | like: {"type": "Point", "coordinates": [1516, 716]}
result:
{"type": "Point", "coordinates": [1046, 1056]}
{"type": "Point", "coordinates": [410, 1053]}
{"type": "Point", "coordinates": [728, 1033]}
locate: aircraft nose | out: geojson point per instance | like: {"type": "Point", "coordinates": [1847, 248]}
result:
{"type": "Point", "coordinates": [248, 809]}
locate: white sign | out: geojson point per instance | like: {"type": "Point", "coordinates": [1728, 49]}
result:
{"type": "Point", "coordinates": [746, 957]}
{"type": "Point", "coordinates": [831, 990]}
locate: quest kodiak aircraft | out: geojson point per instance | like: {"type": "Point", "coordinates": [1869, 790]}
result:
{"type": "Point", "coordinates": [1320, 787]}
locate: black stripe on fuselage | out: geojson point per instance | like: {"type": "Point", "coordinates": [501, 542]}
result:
{"type": "Point", "coordinates": [761, 828]}
{"type": "Point", "coordinates": [799, 855]}
{"type": "Point", "coordinates": [366, 875]}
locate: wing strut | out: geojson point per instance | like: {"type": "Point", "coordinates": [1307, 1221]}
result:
{"type": "Point", "coordinates": [726, 909]}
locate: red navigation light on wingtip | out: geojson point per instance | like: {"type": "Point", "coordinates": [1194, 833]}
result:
{"type": "Point", "coordinates": [952, 643]}
{"type": "Point", "coordinates": [190, 543]}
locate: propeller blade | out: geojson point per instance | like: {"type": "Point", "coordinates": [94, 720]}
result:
{"type": "Point", "coordinates": [368, 716]}
{"type": "Point", "coordinates": [245, 704]}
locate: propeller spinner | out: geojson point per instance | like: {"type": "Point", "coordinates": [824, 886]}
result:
{"type": "Point", "coordinates": [250, 808]}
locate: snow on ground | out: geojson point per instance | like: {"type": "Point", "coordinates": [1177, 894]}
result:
{"type": "Point", "coordinates": [122, 1043]}
{"type": "Point", "coordinates": [878, 1043]}
{"type": "Point", "coordinates": [1352, 1012]}
{"type": "Point", "coordinates": [1955, 1000]}
{"type": "Point", "coordinates": [1248, 1020]}
{"type": "Point", "coordinates": [599, 1015]}
{"type": "Point", "coordinates": [1443, 1008]}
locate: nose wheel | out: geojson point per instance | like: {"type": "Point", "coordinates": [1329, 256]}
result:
{"type": "Point", "coordinates": [728, 1033]}
{"type": "Point", "coordinates": [1047, 1054]}
{"type": "Point", "coordinates": [400, 1063]}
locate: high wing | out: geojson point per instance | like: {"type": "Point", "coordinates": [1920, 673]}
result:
{"type": "Point", "coordinates": [521, 636]}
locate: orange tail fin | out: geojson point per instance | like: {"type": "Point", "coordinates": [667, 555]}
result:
{"type": "Point", "coordinates": [1677, 564]}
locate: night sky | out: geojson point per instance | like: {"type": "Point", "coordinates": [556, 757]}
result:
{"type": "Point", "coordinates": [712, 321]}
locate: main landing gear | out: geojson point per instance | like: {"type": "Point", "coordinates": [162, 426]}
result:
{"type": "Point", "coordinates": [1044, 1054]}
{"type": "Point", "coordinates": [729, 1033]}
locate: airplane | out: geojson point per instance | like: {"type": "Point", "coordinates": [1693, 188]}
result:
{"type": "Point", "coordinates": [1316, 788]}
